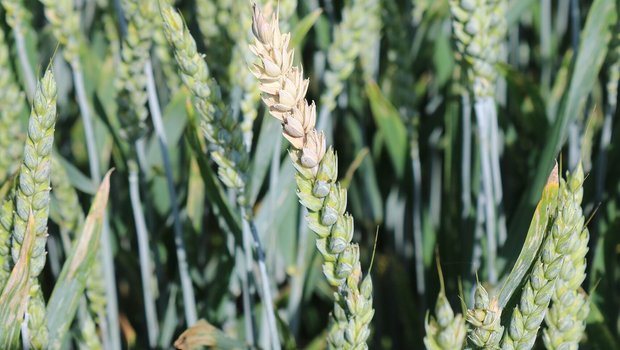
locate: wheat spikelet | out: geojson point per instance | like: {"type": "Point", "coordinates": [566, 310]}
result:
{"type": "Point", "coordinates": [11, 101]}
{"type": "Point", "coordinates": [565, 318]}
{"type": "Point", "coordinates": [444, 330]}
{"type": "Point", "coordinates": [283, 91]}
{"type": "Point", "coordinates": [485, 319]}
{"type": "Point", "coordinates": [32, 196]}
{"type": "Point", "coordinates": [6, 227]}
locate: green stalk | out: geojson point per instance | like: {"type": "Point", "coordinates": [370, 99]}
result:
{"type": "Point", "coordinates": [487, 186]}
{"type": "Point", "coordinates": [265, 285]}
{"type": "Point", "coordinates": [466, 155]}
{"type": "Point", "coordinates": [545, 45]}
{"type": "Point", "coordinates": [189, 300]}
{"type": "Point", "coordinates": [417, 218]}
{"type": "Point", "coordinates": [152, 323]}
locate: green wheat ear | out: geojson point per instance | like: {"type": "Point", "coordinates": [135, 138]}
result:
{"type": "Point", "coordinates": [318, 188]}
{"type": "Point", "coordinates": [557, 275]}
{"type": "Point", "coordinates": [219, 126]}
{"type": "Point", "coordinates": [444, 330]}
{"type": "Point", "coordinates": [32, 197]}
{"type": "Point", "coordinates": [565, 319]}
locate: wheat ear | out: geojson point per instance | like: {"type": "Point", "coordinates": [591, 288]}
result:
{"type": "Point", "coordinates": [360, 21]}
{"type": "Point", "coordinates": [131, 79]}
{"type": "Point", "coordinates": [11, 100]}
{"type": "Point", "coordinates": [284, 90]}
{"type": "Point", "coordinates": [565, 318]}
{"type": "Point", "coordinates": [557, 274]}
{"type": "Point", "coordinates": [485, 318]}
{"type": "Point", "coordinates": [349, 37]}
{"type": "Point", "coordinates": [444, 330]}
{"type": "Point", "coordinates": [220, 129]}
{"type": "Point", "coordinates": [32, 196]}
{"type": "Point", "coordinates": [16, 16]}
{"type": "Point", "coordinates": [478, 28]}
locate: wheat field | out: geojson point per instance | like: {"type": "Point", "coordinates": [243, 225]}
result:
{"type": "Point", "coordinates": [319, 174]}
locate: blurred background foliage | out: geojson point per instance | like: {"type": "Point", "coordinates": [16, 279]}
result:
{"type": "Point", "coordinates": [397, 126]}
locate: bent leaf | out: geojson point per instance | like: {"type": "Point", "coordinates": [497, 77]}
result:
{"type": "Point", "coordinates": [14, 298]}
{"type": "Point", "coordinates": [72, 280]}
{"type": "Point", "coordinates": [303, 27]}
{"type": "Point", "coordinates": [535, 236]}
{"type": "Point", "coordinates": [205, 334]}
{"type": "Point", "coordinates": [391, 126]}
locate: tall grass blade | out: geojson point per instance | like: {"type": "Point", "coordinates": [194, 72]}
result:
{"type": "Point", "coordinates": [594, 38]}
{"type": "Point", "coordinates": [68, 290]}
{"type": "Point", "coordinates": [14, 297]}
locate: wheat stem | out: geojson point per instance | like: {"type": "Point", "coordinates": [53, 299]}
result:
{"type": "Point", "coordinates": [144, 254]}
{"type": "Point", "coordinates": [246, 276]}
{"type": "Point", "coordinates": [466, 155]}
{"type": "Point", "coordinates": [487, 186]}
{"type": "Point", "coordinates": [417, 218]}
{"type": "Point", "coordinates": [189, 300]}
{"type": "Point", "coordinates": [266, 288]}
